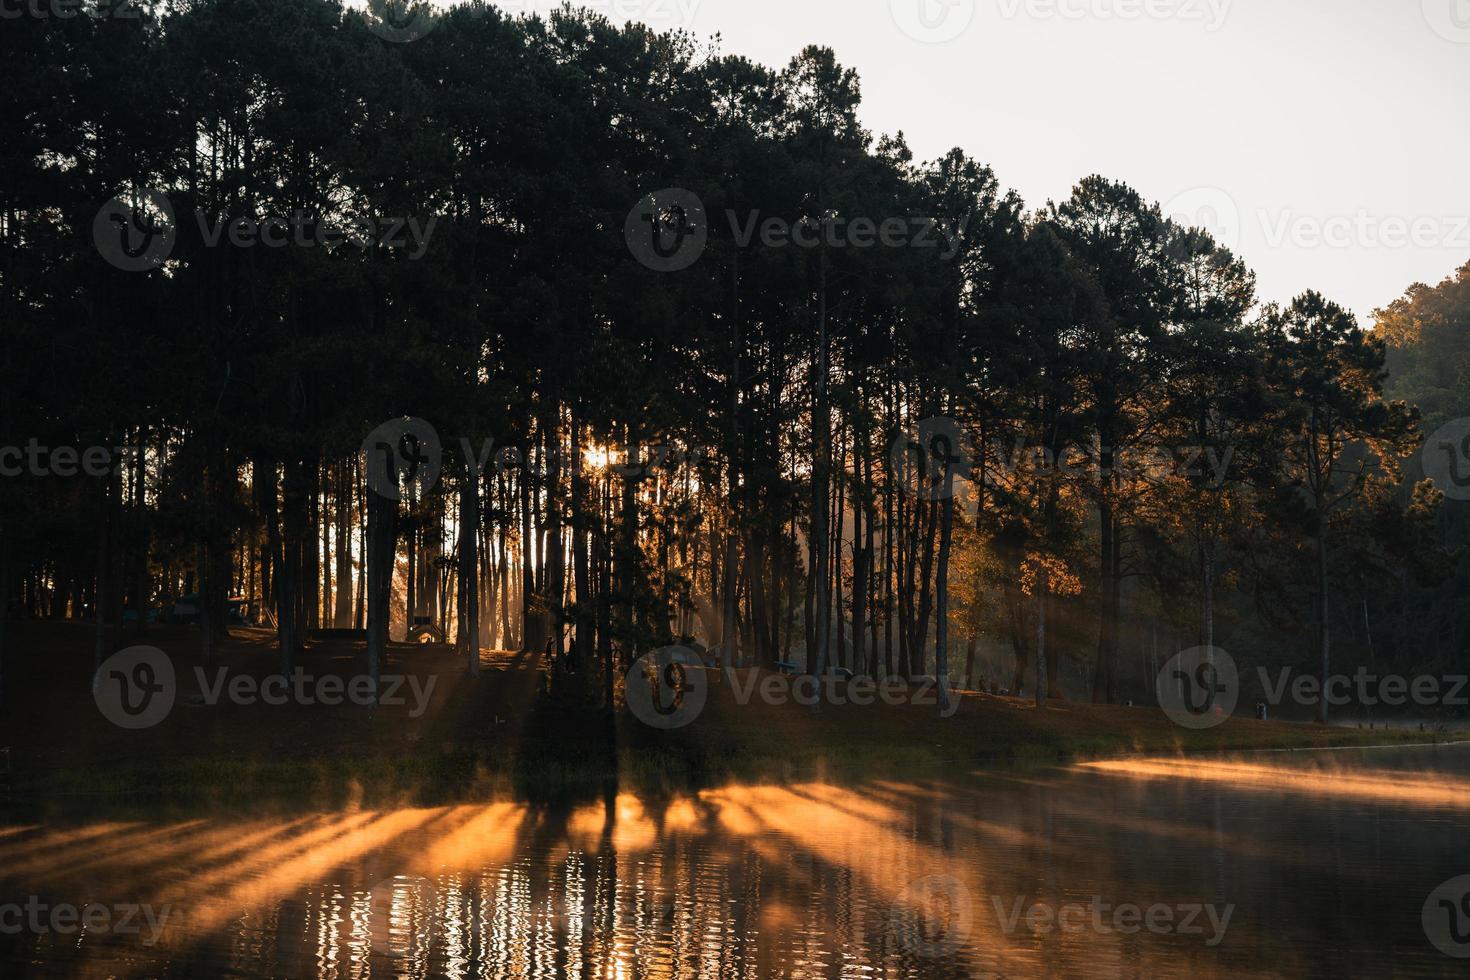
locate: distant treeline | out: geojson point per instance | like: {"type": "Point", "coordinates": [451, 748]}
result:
{"type": "Point", "coordinates": [747, 372]}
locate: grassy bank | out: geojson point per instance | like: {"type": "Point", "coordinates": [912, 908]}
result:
{"type": "Point", "coordinates": [504, 731]}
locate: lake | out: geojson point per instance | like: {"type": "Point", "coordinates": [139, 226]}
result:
{"type": "Point", "coordinates": [1295, 864]}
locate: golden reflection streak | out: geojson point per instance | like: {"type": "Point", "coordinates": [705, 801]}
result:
{"type": "Point", "coordinates": [215, 844]}
{"type": "Point", "coordinates": [485, 835]}
{"type": "Point", "coordinates": [283, 877]}
{"type": "Point", "coordinates": [829, 829]}
{"type": "Point", "coordinates": [1420, 791]}
{"type": "Point", "coordinates": [61, 838]}
{"type": "Point", "coordinates": [98, 851]}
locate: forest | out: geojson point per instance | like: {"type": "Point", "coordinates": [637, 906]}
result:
{"type": "Point", "coordinates": [423, 350]}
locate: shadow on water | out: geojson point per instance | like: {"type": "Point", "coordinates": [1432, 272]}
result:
{"type": "Point", "coordinates": [1262, 866]}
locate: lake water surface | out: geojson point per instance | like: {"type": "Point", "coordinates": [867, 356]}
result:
{"type": "Point", "coordinates": [1297, 864]}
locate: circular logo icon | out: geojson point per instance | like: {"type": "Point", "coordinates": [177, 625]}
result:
{"type": "Point", "coordinates": [136, 237]}
{"type": "Point", "coordinates": [135, 688]}
{"type": "Point", "coordinates": [1209, 209]}
{"type": "Point", "coordinates": [1446, 917]}
{"type": "Point", "coordinates": [933, 21]}
{"type": "Point", "coordinates": [400, 21]}
{"type": "Point", "coordinates": [404, 458]}
{"type": "Point", "coordinates": [931, 463]}
{"type": "Point", "coordinates": [667, 230]}
{"type": "Point", "coordinates": [667, 688]}
{"type": "Point", "coordinates": [1446, 457]}
{"type": "Point", "coordinates": [1199, 687]}
{"type": "Point", "coordinates": [1450, 19]}
{"type": "Point", "coordinates": [933, 916]}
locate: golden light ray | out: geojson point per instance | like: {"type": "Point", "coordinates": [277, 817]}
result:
{"type": "Point", "coordinates": [1384, 787]}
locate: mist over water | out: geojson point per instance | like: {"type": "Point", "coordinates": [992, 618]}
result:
{"type": "Point", "coordinates": [1278, 863]}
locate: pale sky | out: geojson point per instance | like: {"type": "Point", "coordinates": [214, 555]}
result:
{"type": "Point", "coordinates": [1327, 140]}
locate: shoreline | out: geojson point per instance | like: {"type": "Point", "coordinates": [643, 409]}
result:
{"type": "Point", "coordinates": [506, 731]}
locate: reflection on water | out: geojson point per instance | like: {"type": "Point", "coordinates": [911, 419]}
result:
{"type": "Point", "coordinates": [1311, 867]}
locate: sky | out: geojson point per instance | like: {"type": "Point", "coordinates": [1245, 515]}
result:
{"type": "Point", "coordinates": [1325, 141]}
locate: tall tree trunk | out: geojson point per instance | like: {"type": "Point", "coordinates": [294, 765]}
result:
{"type": "Point", "coordinates": [469, 567]}
{"type": "Point", "coordinates": [1102, 680]}
{"type": "Point", "coordinates": [821, 466]}
{"type": "Point", "coordinates": [381, 554]}
{"type": "Point", "coordinates": [1043, 590]}
{"type": "Point", "coordinates": [1323, 634]}
{"type": "Point", "coordinates": [941, 588]}
{"type": "Point", "coordinates": [4, 599]}
{"type": "Point", "coordinates": [342, 612]}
